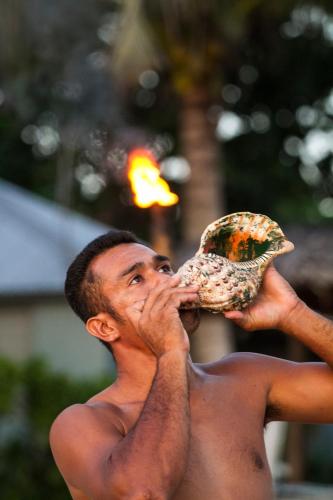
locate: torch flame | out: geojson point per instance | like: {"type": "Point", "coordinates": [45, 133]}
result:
{"type": "Point", "coordinates": [146, 183]}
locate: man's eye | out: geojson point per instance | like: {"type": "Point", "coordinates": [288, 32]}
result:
{"type": "Point", "coordinates": [165, 269]}
{"type": "Point", "coordinates": [136, 279]}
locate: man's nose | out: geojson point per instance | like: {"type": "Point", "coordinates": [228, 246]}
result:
{"type": "Point", "coordinates": [159, 278]}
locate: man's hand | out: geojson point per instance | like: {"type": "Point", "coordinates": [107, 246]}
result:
{"type": "Point", "coordinates": [271, 308]}
{"type": "Point", "coordinates": [151, 459]}
{"type": "Point", "coordinates": [158, 323]}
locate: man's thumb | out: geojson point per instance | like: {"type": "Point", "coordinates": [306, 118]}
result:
{"type": "Point", "coordinates": [234, 315]}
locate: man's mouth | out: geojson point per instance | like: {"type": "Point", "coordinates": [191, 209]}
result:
{"type": "Point", "coordinates": [189, 314]}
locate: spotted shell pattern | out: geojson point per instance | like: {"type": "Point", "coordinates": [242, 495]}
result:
{"type": "Point", "coordinates": [233, 255]}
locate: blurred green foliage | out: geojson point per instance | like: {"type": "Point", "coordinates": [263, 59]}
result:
{"type": "Point", "coordinates": [31, 396]}
{"type": "Point", "coordinates": [265, 61]}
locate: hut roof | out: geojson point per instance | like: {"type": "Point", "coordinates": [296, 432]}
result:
{"type": "Point", "coordinates": [38, 241]}
{"type": "Point", "coordinates": [311, 263]}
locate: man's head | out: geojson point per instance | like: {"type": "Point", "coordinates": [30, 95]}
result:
{"type": "Point", "coordinates": [110, 280]}
{"type": "Point", "coordinates": [83, 288]}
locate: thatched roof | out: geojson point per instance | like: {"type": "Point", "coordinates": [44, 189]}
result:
{"type": "Point", "coordinates": [38, 241]}
{"type": "Point", "coordinates": [310, 265]}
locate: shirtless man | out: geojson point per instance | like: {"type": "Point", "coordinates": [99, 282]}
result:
{"type": "Point", "coordinates": [168, 428]}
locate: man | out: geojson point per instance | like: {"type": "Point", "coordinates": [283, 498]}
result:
{"type": "Point", "coordinates": [168, 428]}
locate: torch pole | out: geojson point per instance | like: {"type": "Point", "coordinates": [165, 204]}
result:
{"type": "Point", "coordinates": [159, 232]}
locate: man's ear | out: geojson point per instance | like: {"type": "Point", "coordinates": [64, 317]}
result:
{"type": "Point", "coordinates": [103, 327]}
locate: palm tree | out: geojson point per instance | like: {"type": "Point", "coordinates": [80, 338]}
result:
{"type": "Point", "coordinates": [189, 39]}
{"type": "Point", "coordinates": [183, 37]}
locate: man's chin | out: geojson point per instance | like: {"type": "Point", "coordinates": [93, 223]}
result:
{"type": "Point", "coordinates": [190, 319]}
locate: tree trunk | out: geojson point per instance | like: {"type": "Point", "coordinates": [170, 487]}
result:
{"type": "Point", "coordinates": [12, 36]}
{"type": "Point", "coordinates": [204, 196]}
{"type": "Point", "coordinates": [202, 203]}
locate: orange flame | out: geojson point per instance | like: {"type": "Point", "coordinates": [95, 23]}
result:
{"type": "Point", "coordinates": [146, 182]}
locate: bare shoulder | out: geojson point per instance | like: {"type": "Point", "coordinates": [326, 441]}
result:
{"type": "Point", "coordinates": [80, 417]}
{"type": "Point", "coordinates": [82, 438]}
{"type": "Point", "coordinates": [244, 363]}
{"type": "Point", "coordinates": [66, 422]}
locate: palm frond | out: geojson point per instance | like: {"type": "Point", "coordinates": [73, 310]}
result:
{"type": "Point", "coordinates": [133, 50]}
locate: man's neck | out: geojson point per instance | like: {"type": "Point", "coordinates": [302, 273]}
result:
{"type": "Point", "coordinates": [136, 372]}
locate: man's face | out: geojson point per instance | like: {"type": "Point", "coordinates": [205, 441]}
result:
{"type": "Point", "coordinates": [128, 273]}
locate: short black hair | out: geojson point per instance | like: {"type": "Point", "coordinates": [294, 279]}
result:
{"type": "Point", "coordinates": [82, 287]}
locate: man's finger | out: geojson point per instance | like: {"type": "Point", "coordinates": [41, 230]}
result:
{"type": "Point", "coordinates": [234, 315]}
{"type": "Point", "coordinates": [180, 299]}
{"type": "Point", "coordinates": [166, 284]}
{"type": "Point", "coordinates": [175, 297]}
{"type": "Point", "coordinates": [160, 295]}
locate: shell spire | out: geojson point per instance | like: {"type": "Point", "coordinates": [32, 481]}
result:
{"type": "Point", "coordinates": [233, 254]}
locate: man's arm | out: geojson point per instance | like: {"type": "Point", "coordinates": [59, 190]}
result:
{"type": "Point", "coordinates": [296, 391]}
{"type": "Point", "coordinates": [150, 461]}
{"type": "Point", "coordinates": [312, 329]}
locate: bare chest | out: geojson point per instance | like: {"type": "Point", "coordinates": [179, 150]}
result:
{"type": "Point", "coordinates": [227, 458]}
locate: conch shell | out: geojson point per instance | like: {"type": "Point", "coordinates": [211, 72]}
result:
{"type": "Point", "coordinates": [234, 252]}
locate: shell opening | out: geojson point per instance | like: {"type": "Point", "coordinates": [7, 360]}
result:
{"type": "Point", "coordinates": [237, 247]}
{"type": "Point", "coordinates": [243, 237]}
